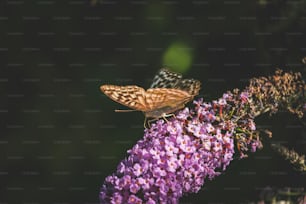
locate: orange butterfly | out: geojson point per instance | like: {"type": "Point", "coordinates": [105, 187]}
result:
{"type": "Point", "coordinates": [168, 93]}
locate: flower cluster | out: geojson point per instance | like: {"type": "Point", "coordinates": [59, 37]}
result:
{"type": "Point", "coordinates": [175, 157]}
{"type": "Point", "coordinates": [283, 90]}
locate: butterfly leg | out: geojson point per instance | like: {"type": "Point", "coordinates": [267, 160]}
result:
{"type": "Point", "coordinates": [165, 116]}
{"type": "Point", "coordinates": [149, 121]}
{"type": "Point", "coordinates": [145, 123]}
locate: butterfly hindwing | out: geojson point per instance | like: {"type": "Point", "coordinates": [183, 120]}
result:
{"type": "Point", "coordinates": [160, 97]}
{"type": "Point", "coordinates": [165, 101]}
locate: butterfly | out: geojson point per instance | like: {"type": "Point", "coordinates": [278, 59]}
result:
{"type": "Point", "coordinates": [167, 94]}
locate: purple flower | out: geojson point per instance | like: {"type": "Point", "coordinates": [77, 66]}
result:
{"type": "Point", "coordinates": [175, 157]}
{"type": "Point", "coordinates": [134, 200]}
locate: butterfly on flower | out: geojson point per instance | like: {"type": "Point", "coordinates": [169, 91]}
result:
{"type": "Point", "coordinates": [167, 94]}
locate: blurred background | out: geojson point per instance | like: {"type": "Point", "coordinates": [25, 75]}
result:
{"type": "Point", "coordinates": [60, 136]}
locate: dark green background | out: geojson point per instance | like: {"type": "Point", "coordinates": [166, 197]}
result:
{"type": "Point", "coordinates": [59, 136]}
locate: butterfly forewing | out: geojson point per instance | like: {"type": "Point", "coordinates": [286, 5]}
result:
{"type": "Point", "coordinates": [130, 96]}
{"type": "Point", "coordinates": [165, 79]}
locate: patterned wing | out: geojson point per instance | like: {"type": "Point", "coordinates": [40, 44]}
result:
{"type": "Point", "coordinates": [163, 101]}
{"type": "Point", "coordinates": [165, 79]}
{"type": "Point", "coordinates": [168, 93]}
{"type": "Point", "coordinates": [168, 79]}
{"type": "Point", "coordinates": [130, 96]}
{"type": "Point", "coordinates": [191, 86]}
{"type": "Point", "coordinates": [160, 97]}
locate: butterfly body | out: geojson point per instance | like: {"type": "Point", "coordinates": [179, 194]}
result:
{"type": "Point", "coordinates": [167, 94]}
{"type": "Point", "coordinates": [163, 111]}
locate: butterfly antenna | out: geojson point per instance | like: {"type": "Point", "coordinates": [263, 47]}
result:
{"type": "Point", "coordinates": [122, 111]}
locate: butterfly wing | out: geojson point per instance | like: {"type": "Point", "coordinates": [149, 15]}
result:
{"type": "Point", "coordinates": [169, 92]}
{"type": "Point", "coordinates": [191, 86]}
{"type": "Point", "coordinates": [130, 96]}
{"type": "Point", "coordinates": [160, 98]}
{"type": "Point", "coordinates": [165, 79]}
